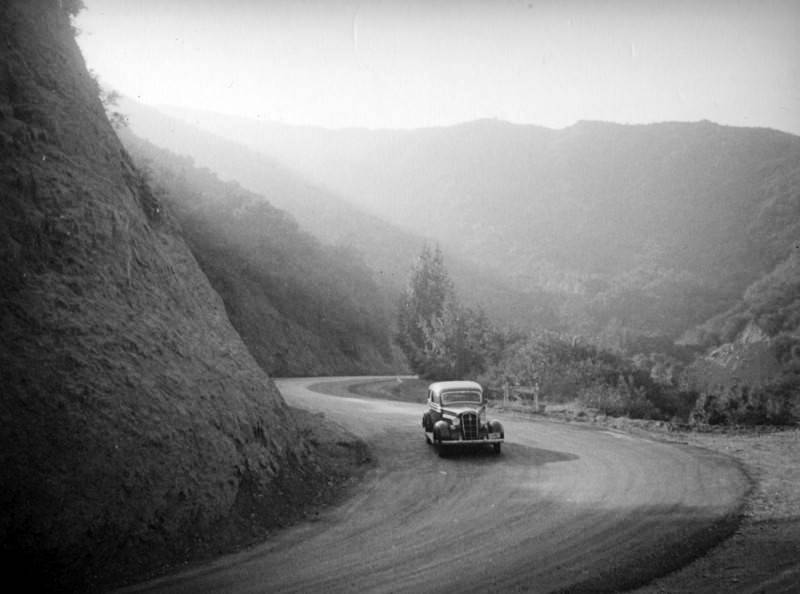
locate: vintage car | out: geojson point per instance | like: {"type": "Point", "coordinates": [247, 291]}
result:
{"type": "Point", "coordinates": [456, 416]}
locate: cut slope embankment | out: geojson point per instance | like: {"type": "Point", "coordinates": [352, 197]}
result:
{"type": "Point", "coordinates": [134, 420]}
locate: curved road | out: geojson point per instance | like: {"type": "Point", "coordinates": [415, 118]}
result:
{"type": "Point", "coordinates": [563, 508]}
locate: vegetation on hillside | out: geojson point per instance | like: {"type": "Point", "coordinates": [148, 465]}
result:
{"type": "Point", "coordinates": [752, 370]}
{"type": "Point", "coordinates": [640, 232]}
{"type": "Point", "coordinates": [137, 427]}
{"type": "Point", "coordinates": [444, 341]}
{"type": "Point", "coordinates": [301, 307]}
{"type": "Point", "coordinates": [652, 242]}
{"type": "Point", "coordinates": [333, 219]}
{"type": "Point", "coordinates": [772, 304]}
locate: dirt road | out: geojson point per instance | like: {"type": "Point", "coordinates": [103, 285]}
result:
{"type": "Point", "coordinates": [563, 508]}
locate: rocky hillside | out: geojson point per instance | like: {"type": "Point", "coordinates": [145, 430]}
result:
{"type": "Point", "coordinates": [132, 413]}
{"type": "Point", "coordinates": [757, 341]}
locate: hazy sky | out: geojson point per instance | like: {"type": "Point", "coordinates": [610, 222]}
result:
{"type": "Point", "coordinates": [402, 63]}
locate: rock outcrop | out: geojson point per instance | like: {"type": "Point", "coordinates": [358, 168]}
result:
{"type": "Point", "coordinates": [131, 413]}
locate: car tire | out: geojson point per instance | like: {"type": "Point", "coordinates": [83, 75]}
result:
{"type": "Point", "coordinates": [440, 449]}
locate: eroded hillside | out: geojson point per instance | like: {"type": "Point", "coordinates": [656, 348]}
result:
{"type": "Point", "coordinates": [131, 410]}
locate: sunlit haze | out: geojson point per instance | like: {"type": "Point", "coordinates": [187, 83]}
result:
{"type": "Point", "coordinates": [405, 64]}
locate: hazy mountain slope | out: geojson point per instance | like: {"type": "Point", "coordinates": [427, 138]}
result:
{"type": "Point", "coordinates": [386, 249]}
{"type": "Point", "coordinates": [771, 304]}
{"type": "Point", "coordinates": [132, 413]}
{"type": "Point", "coordinates": [674, 220]}
{"type": "Point", "coordinates": [756, 342]}
{"type": "Point", "coordinates": [621, 186]}
{"type": "Point", "coordinates": [302, 309]}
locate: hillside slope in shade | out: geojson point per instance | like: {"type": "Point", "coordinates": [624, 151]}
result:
{"type": "Point", "coordinates": [131, 411]}
{"type": "Point", "coordinates": [302, 308]}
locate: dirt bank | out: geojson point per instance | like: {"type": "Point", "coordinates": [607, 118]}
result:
{"type": "Point", "coordinates": [342, 461]}
{"type": "Point", "coordinates": [135, 426]}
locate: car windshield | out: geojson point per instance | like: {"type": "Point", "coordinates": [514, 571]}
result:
{"type": "Point", "coordinates": [471, 397]}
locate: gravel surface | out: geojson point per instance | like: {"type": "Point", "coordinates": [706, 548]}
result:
{"type": "Point", "coordinates": [763, 555]}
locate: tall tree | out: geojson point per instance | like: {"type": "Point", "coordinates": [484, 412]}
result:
{"type": "Point", "coordinates": [422, 304]}
{"type": "Point", "coordinates": [458, 343]}
{"type": "Point", "coordinates": [440, 338]}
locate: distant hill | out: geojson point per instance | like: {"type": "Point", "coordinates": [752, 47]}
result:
{"type": "Point", "coordinates": [335, 221]}
{"type": "Point", "coordinates": [644, 230]}
{"type": "Point", "coordinates": [301, 308]}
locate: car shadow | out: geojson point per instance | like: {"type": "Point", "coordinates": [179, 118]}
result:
{"type": "Point", "coordinates": [511, 453]}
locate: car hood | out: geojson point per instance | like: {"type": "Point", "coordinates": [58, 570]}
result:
{"type": "Point", "coordinates": [461, 408]}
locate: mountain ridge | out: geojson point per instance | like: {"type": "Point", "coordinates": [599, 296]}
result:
{"type": "Point", "coordinates": [579, 207]}
{"type": "Point", "coordinates": [386, 249]}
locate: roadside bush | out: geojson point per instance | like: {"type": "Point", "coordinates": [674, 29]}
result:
{"type": "Point", "coordinates": [773, 404]}
{"type": "Point", "coordinates": [671, 402]}
{"type": "Point", "coordinates": [564, 367]}
{"type": "Point", "coordinates": [624, 399]}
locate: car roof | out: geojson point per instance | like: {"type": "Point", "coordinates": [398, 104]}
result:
{"type": "Point", "coordinates": [439, 387]}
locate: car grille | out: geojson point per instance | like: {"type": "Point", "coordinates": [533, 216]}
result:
{"type": "Point", "coordinates": [469, 425]}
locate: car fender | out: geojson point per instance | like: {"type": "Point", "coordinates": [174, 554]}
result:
{"type": "Point", "coordinates": [441, 430]}
{"type": "Point", "coordinates": [496, 426]}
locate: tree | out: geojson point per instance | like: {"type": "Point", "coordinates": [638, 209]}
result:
{"type": "Point", "coordinates": [422, 304]}
{"type": "Point", "coordinates": [110, 100]}
{"type": "Point", "coordinates": [440, 338]}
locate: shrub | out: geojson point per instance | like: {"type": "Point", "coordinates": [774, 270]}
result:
{"type": "Point", "coordinates": [623, 399]}
{"type": "Point", "coordinates": [772, 404]}
{"type": "Point", "coordinates": [674, 403]}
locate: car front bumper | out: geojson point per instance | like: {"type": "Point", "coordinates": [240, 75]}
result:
{"type": "Point", "coordinates": [465, 442]}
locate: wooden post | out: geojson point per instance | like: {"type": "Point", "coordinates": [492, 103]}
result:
{"type": "Point", "coordinates": [536, 397]}
{"type": "Point", "coordinates": [505, 395]}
